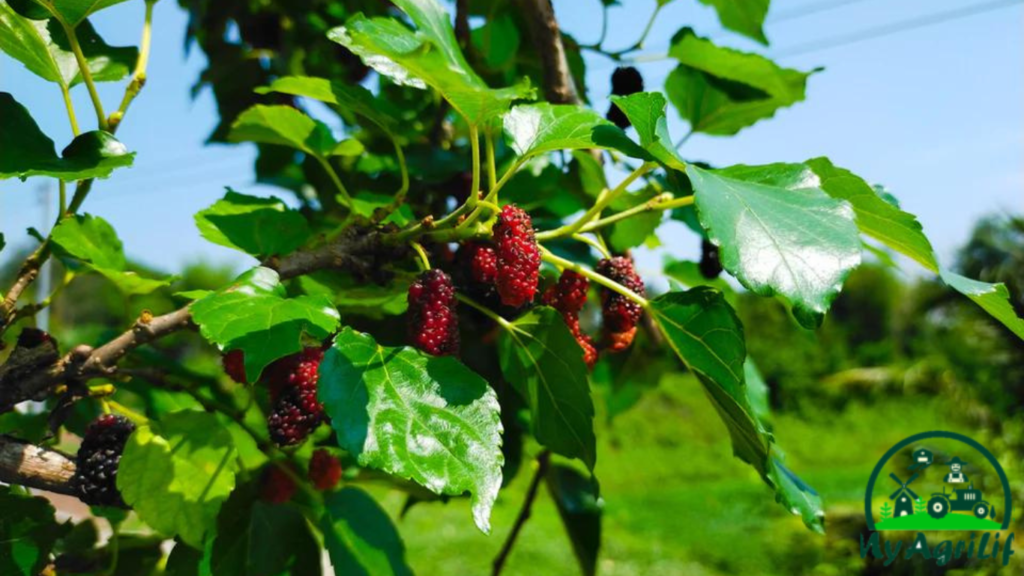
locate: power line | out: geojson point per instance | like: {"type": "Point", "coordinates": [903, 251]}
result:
{"type": "Point", "coordinates": [894, 28]}
{"type": "Point", "coordinates": [809, 10]}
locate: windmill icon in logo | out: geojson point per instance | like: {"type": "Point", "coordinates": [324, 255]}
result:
{"type": "Point", "coordinates": [903, 496]}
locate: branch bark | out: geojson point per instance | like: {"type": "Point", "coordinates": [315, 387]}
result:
{"type": "Point", "coordinates": [35, 467]}
{"type": "Point", "coordinates": [559, 87]}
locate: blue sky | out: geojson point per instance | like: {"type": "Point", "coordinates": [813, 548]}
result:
{"type": "Point", "coordinates": [935, 114]}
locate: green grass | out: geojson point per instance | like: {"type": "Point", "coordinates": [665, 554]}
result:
{"type": "Point", "coordinates": [953, 521]}
{"type": "Point", "coordinates": [676, 500]}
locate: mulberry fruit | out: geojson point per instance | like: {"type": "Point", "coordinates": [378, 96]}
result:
{"type": "Point", "coordinates": [433, 318]}
{"type": "Point", "coordinates": [568, 297]}
{"type": "Point", "coordinates": [277, 486]}
{"type": "Point", "coordinates": [620, 313]}
{"type": "Point", "coordinates": [518, 257]}
{"type": "Point", "coordinates": [625, 81]}
{"type": "Point", "coordinates": [234, 366]}
{"type": "Point", "coordinates": [324, 470]}
{"type": "Point", "coordinates": [619, 341]}
{"type": "Point", "coordinates": [95, 479]}
{"type": "Point", "coordinates": [295, 409]}
{"type": "Point", "coordinates": [710, 265]}
{"type": "Point", "coordinates": [481, 261]}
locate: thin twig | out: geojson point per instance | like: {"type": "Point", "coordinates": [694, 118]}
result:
{"type": "Point", "coordinates": [524, 512]}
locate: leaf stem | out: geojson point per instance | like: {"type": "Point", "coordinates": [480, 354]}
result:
{"type": "Point", "coordinates": [593, 244]}
{"type": "Point", "coordinates": [492, 171]}
{"type": "Point", "coordinates": [66, 92]}
{"type": "Point", "coordinates": [483, 310]}
{"type": "Point", "coordinates": [603, 201]}
{"type": "Point", "coordinates": [524, 513]}
{"type": "Point", "coordinates": [83, 69]}
{"type": "Point", "coordinates": [62, 186]}
{"type": "Point", "coordinates": [343, 195]}
{"type": "Point", "coordinates": [423, 261]}
{"type": "Point", "coordinates": [608, 283]}
{"type": "Point", "coordinates": [660, 202]}
{"type": "Point", "coordinates": [474, 142]}
{"type": "Point", "coordinates": [139, 76]}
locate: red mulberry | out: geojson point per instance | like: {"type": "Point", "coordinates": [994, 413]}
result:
{"type": "Point", "coordinates": [295, 409]}
{"type": "Point", "coordinates": [568, 297]}
{"type": "Point", "coordinates": [620, 313]}
{"type": "Point", "coordinates": [433, 318]}
{"type": "Point", "coordinates": [234, 366]}
{"type": "Point", "coordinates": [277, 486]}
{"type": "Point", "coordinates": [95, 479]}
{"type": "Point", "coordinates": [518, 257]}
{"type": "Point", "coordinates": [324, 470]}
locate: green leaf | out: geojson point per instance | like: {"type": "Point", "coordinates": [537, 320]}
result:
{"type": "Point", "coordinates": [261, 539]}
{"type": "Point", "coordinates": [258, 226]}
{"type": "Point", "coordinates": [415, 416]}
{"type": "Point", "coordinates": [743, 16]}
{"type": "Point", "coordinates": [876, 217]}
{"type": "Point", "coordinates": [176, 475]}
{"type": "Point", "coordinates": [533, 129]}
{"type": "Point", "coordinates": [285, 126]}
{"type": "Point", "coordinates": [360, 537]}
{"type": "Point", "coordinates": [634, 231]}
{"type": "Point", "coordinates": [43, 48]}
{"type": "Point", "coordinates": [705, 333]}
{"type": "Point", "coordinates": [721, 90]}
{"type": "Point", "coordinates": [92, 241]}
{"type": "Point", "coordinates": [352, 97]}
{"type": "Point", "coordinates": [28, 531]}
{"type": "Point", "coordinates": [541, 359]}
{"type": "Point", "coordinates": [993, 298]}
{"type": "Point", "coordinates": [428, 57]}
{"type": "Point", "coordinates": [366, 203]}
{"type": "Point", "coordinates": [254, 314]}
{"type": "Point", "coordinates": [779, 233]}
{"type": "Point", "coordinates": [579, 504]}
{"type": "Point", "coordinates": [29, 152]}
{"type": "Point", "coordinates": [646, 111]}
{"type": "Point", "coordinates": [73, 12]}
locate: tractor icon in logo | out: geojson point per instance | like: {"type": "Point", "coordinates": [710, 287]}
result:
{"type": "Point", "coordinates": [967, 500]}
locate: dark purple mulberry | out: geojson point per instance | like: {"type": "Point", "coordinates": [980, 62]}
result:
{"type": "Point", "coordinates": [295, 410]}
{"type": "Point", "coordinates": [95, 479]}
{"type": "Point", "coordinates": [620, 313]}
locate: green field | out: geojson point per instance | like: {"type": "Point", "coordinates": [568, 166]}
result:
{"type": "Point", "coordinates": [953, 521]}
{"type": "Point", "coordinates": [678, 502]}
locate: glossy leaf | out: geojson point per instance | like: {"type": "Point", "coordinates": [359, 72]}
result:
{"type": "Point", "coordinates": [352, 97]}
{"type": "Point", "coordinates": [92, 241]}
{"type": "Point", "coordinates": [876, 217]}
{"type": "Point", "coordinates": [533, 129]}
{"type": "Point", "coordinates": [43, 48]}
{"type": "Point", "coordinates": [29, 152]}
{"type": "Point", "coordinates": [176, 476]}
{"type": "Point", "coordinates": [255, 538]}
{"type": "Point", "coordinates": [28, 531]}
{"type": "Point", "coordinates": [258, 226]}
{"type": "Point", "coordinates": [285, 126]}
{"type": "Point", "coordinates": [579, 504]}
{"type": "Point", "coordinates": [705, 333]}
{"type": "Point", "coordinates": [73, 12]}
{"type": "Point", "coordinates": [743, 16]}
{"type": "Point", "coordinates": [541, 359]}
{"type": "Point", "coordinates": [721, 90]}
{"type": "Point", "coordinates": [416, 416]}
{"type": "Point", "coordinates": [993, 298]}
{"type": "Point", "coordinates": [646, 111]}
{"type": "Point", "coordinates": [256, 315]}
{"type": "Point", "coordinates": [779, 233]}
{"type": "Point", "coordinates": [360, 537]}
{"type": "Point", "coordinates": [428, 57]}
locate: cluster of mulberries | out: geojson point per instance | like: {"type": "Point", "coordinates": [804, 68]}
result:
{"type": "Point", "coordinates": [626, 80]}
{"type": "Point", "coordinates": [620, 314]}
{"type": "Point", "coordinates": [295, 410]}
{"type": "Point", "coordinates": [518, 256]}
{"type": "Point", "coordinates": [568, 297]}
{"type": "Point", "coordinates": [433, 317]}
{"type": "Point", "coordinates": [95, 479]}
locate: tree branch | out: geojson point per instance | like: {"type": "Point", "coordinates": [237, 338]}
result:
{"type": "Point", "coordinates": [524, 512]}
{"type": "Point", "coordinates": [559, 87]}
{"type": "Point", "coordinates": [35, 467]}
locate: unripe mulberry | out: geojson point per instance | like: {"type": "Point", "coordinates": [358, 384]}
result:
{"type": "Point", "coordinates": [433, 318]}
{"type": "Point", "coordinates": [620, 314]}
{"type": "Point", "coordinates": [234, 366]}
{"type": "Point", "coordinates": [619, 341]}
{"type": "Point", "coordinates": [518, 256]}
{"type": "Point", "coordinates": [95, 479]}
{"type": "Point", "coordinates": [324, 470]}
{"type": "Point", "coordinates": [295, 410]}
{"type": "Point", "coordinates": [276, 486]}
{"type": "Point", "coordinates": [625, 81]}
{"type": "Point", "coordinates": [568, 297]}
{"type": "Point", "coordinates": [710, 264]}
